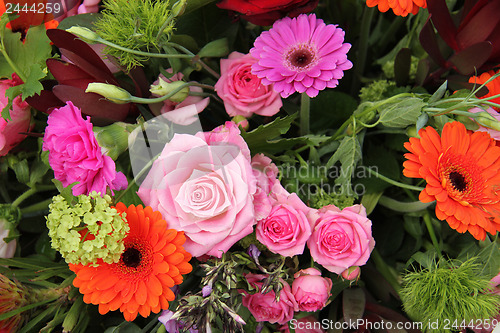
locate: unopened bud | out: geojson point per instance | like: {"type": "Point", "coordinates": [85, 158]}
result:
{"type": "Point", "coordinates": [114, 138]}
{"type": "Point", "coordinates": [487, 120]}
{"type": "Point", "coordinates": [179, 8]}
{"type": "Point", "coordinates": [352, 273]}
{"type": "Point", "coordinates": [111, 92]}
{"type": "Point", "coordinates": [164, 88]}
{"type": "Point", "coordinates": [411, 131]}
{"type": "Point", "coordinates": [84, 33]}
{"type": "Point", "coordinates": [241, 121]}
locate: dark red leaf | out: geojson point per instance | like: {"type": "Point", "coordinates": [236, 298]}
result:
{"type": "Point", "coordinates": [480, 26]}
{"type": "Point", "coordinates": [389, 314]}
{"type": "Point", "coordinates": [429, 43]}
{"type": "Point", "coordinates": [102, 111]}
{"type": "Point", "coordinates": [69, 74]}
{"type": "Point", "coordinates": [45, 101]}
{"type": "Point", "coordinates": [95, 72]}
{"type": "Point", "coordinates": [443, 22]}
{"type": "Point", "coordinates": [65, 40]}
{"type": "Point", "coordinates": [472, 58]}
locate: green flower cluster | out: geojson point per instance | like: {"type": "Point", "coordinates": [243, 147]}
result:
{"type": "Point", "coordinates": [87, 230]}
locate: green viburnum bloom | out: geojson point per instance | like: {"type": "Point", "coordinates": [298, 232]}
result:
{"type": "Point", "coordinates": [138, 25]}
{"type": "Point", "coordinates": [448, 293]}
{"type": "Point", "coordinates": [88, 230]}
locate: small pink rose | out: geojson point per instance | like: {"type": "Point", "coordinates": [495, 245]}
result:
{"type": "Point", "coordinates": [75, 154]}
{"type": "Point", "coordinates": [203, 185]}
{"type": "Point", "coordinates": [243, 92]}
{"type": "Point", "coordinates": [20, 114]}
{"type": "Point", "coordinates": [341, 239]}
{"type": "Point", "coordinates": [264, 307]}
{"type": "Point", "coordinates": [266, 173]}
{"type": "Point", "coordinates": [287, 228]}
{"type": "Point", "coordinates": [185, 112]}
{"type": "Point", "coordinates": [311, 290]}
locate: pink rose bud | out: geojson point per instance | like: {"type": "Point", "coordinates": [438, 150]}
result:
{"type": "Point", "coordinates": [241, 121]}
{"type": "Point", "coordinates": [311, 290]}
{"type": "Point", "coordinates": [352, 273]}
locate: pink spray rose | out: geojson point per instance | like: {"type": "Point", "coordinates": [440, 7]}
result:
{"type": "Point", "coordinates": [307, 324]}
{"type": "Point", "coordinates": [185, 112]}
{"type": "Point", "coordinates": [20, 118]}
{"type": "Point", "coordinates": [266, 173]}
{"type": "Point", "coordinates": [341, 239]}
{"type": "Point", "coordinates": [264, 306]}
{"type": "Point", "coordinates": [311, 291]}
{"type": "Point", "coordinates": [204, 186]}
{"type": "Point", "coordinates": [287, 228]}
{"type": "Point", "coordinates": [242, 92]}
{"type": "Point", "coordinates": [75, 155]}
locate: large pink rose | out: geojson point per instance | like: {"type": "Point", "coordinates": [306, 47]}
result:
{"type": "Point", "coordinates": [75, 154]}
{"type": "Point", "coordinates": [341, 239]}
{"type": "Point", "coordinates": [242, 92]}
{"type": "Point", "coordinates": [10, 131]}
{"type": "Point", "coordinates": [264, 306]}
{"type": "Point", "coordinates": [311, 291]}
{"type": "Point", "coordinates": [185, 112]}
{"type": "Point", "coordinates": [204, 186]}
{"type": "Point", "coordinates": [287, 228]}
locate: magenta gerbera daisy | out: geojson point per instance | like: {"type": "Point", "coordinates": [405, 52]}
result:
{"type": "Point", "coordinates": [302, 54]}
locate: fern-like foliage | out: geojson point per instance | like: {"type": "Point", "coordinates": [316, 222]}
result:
{"type": "Point", "coordinates": [135, 25]}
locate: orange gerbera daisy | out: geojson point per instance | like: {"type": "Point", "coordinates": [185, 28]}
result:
{"type": "Point", "coordinates": [462, 171]}
{"type": "Point", "coordinates": [399, 7]}
{"type": "Point", "coordinates": [493, 86]}
{"type": "Point", "coordinates": [153, 262]}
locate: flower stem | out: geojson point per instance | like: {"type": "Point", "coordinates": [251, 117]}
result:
{"type": "Point", "coordinates": [39, 206]}
{"type": "Point", "coordinates": [383, 269]}
{"type": "Point", "coordinates": [393, 182]}
{"type": "Point", "coordinates": [305, 107]}
{"type": "Point", "coordinates": [24, 196]}
{"type": "Point", "coordinates": [432, 234]}
{"type": "Point", "coordinates": [147, 54]}
{"type": "Point", "coordinates": [404, 207]}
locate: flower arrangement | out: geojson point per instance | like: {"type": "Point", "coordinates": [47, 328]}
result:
{"type": "Point", "coordinates": [249, 166]}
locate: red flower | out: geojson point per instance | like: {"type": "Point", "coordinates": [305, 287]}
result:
{"type": "Point", "coordinates": [265, 12]}
{"type": "Point", "coordinates": [28, 17]}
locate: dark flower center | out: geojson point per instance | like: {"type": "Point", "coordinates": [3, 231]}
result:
{"type": "Point", "coordinates": [131, 257]}
{"type": "Point", "coordinates": [301, 58]}
{"type": "Point", "coordinates": [458, 181]}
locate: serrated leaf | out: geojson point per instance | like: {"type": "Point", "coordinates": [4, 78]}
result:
{"type": "Point", "coordinates": [258, 139]}
{"type": "Point", "coordinates": [32, 86]}
{"type": "Point", "coordinates": [348, 154]}
{"type": "Point", "coordinates": [10, 93]}
{"type": "Point", "coordinates": [402, 113]}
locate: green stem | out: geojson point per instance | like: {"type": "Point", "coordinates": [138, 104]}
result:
{"type": "Point", "coordinates": [164, 25]}
{"type": "Point", "coordinates": [403, 207]}
{"type": "Point", "coordinates": [24, 196]}
{"type": "Point", "coordinates": [366, 22]}
{"type": "Point", "coordinates": [147, 54]}
{"type": "Point", "coordinates": [432, 234]}
{"type": "Point", "coordinates": [11, 63]}
{"type": "Point", "coordinates": [142, 100]}
{"type": "Point", "coordinates": [40, 206]}
{"type": "Point", "coordinates": [139, 175]}
{"type": "Point", "coordinates": [393, 182]}
{"type": "Point", "coordinates": [305, 107]}
{"type": "Point", "coordinates": [383, 269]}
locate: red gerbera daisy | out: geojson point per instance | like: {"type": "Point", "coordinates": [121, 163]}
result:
{"type": "Point", "coordinates": [462, 171]}
{"type": "Point", "coordinates": [493, 86]}
{"type": "Point", "coordinates": [153, 262]}
{"type": "Point", "coordinates": [399, 7]}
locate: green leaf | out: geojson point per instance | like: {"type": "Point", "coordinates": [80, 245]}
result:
{"type": "Point", "coordinates": [32, 86]}
{"type": "Point", "coordinates": [439, 93]}
{"type": "Point", "coordinates": [490, 258]}
{"type": "Point", "coordinates": [215, 49]}
{"type": "Point", "coordinates": [402, 113]}
{"type": "Point", "coordinates": [258, 139]}
{"type": "Point", "coordinates": [21, 170]}
{"type": "Point", "coordinates": [80, 20]}
{"type": "Point", "coordinates": [10, 93]}
{"type": "Point", "coordinates": [370, 200]}
{"type": "Point", "coordinates": [348, 154]}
